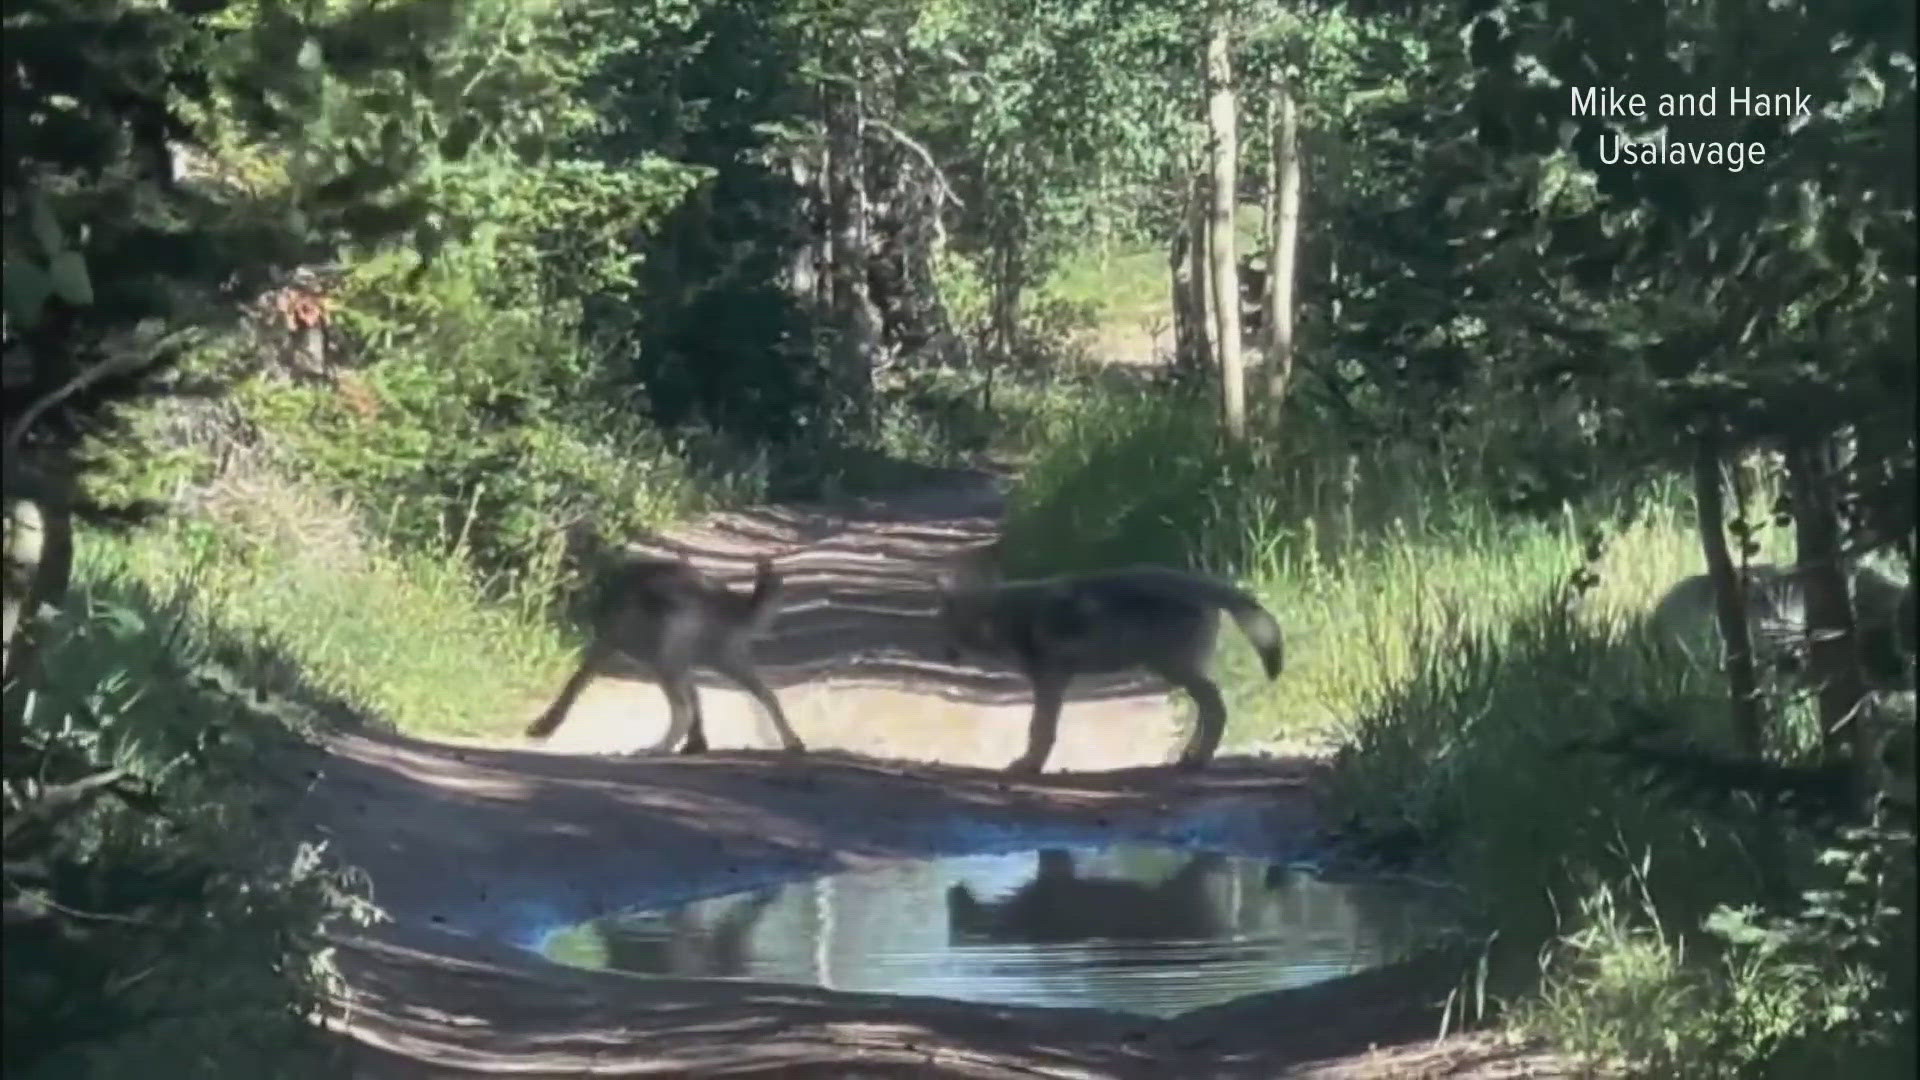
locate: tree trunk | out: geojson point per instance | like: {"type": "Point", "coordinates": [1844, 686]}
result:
{"type": "Point", "coordinates": [1729, 595]}
{"type": "Point", "coordinates": [1832, 648]}
{"type": "Point", "coordinates": [1180, 285]}
{"type": "Point", "coordinates": [854, 315]}
{"type": "Point", "coordinates": [1223, 143]}
{"type": "Point", "coordinates": [1187, 265]}
{"type": "Point", "coordinates": [803, 262]}
{"type": "Point", "coordinates": [1199, 265]}
{"type": "Point", "coordinates": [1006, 297]}
{"type": "Point", "coordinates": [1334, 304]}
{"type": "Point", "coordinates": [1283, 235]}
{"type": "Point", "coordinates": [925, 237]}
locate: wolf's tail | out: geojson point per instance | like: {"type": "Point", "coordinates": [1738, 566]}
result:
{"type": "Point", "coordinates": [1259, 626]}
{"type": "Point", "coordinates": [1261, 629]}
{"type": "Point", "coordinates": [764, 600]}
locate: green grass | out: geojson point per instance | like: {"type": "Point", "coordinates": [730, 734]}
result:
{"type": "Point", "coordinates": [406, 637]}
{"type": "Point", "coordinates": [1359, 558]}
{"type": "Point", "coordinates": [1439, 645]}
{"type": "Point", "coordinates": [1125, 285]}
{"type": "Point", "coordinates": [1625, 993]}
{"type": "Point", "coordinates": [193, 917]}
{"type": "Point", "coordinates": [1125, 289]}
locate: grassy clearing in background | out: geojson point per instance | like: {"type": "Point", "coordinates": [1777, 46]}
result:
{"type": "Point", "coordinates": [1126, 287]}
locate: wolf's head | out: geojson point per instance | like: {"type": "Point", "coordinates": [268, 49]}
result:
{"type": "Point", "coordinates": [964, 611]}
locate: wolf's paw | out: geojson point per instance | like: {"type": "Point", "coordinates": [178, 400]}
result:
{"type": "Point", "coordinates": [1190, 764]}
{"type": "Point", "coordinates": [1024, 767]}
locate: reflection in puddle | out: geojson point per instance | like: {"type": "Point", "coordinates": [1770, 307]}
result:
{"type": "Point", "coordinates": [1135, 928]}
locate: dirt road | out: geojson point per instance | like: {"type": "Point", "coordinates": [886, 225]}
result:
{"type": "Point", "coordinates": [474, 851]}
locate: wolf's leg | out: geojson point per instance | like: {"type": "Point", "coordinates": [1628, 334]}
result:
{"type": "Point", "coordinates": [1212, 720]}
{"type": "Point", "coordinates": [697, 731]}
{"type": "Point", "coordinates": [556, 713]}
{"type": "Point", "coordinates": [1049, 692]}
{"type": "Point", "coordinates": [683, 705]}
{"type": "Point", "coordinates": [673, 665]}
{"type": "Point", "coordinates": [739, 667]}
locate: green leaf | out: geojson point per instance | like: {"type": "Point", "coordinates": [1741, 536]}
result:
{"type": "Point", "coordinates": [310, 57]}
{"type": "Point", "coordinates": [69, 278]}
{"type": "Point", "coordinates": [25, 289]}
{"type": "Point", "coordinates": [390, 140]}
{"type": "Point", "coordinates": [45, 229]}
{"type": "Point", "coordinates": [460, 137]}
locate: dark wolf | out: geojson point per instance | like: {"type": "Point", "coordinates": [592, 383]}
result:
{"type": "Point", "coordinates": [669, 619]}
{"type": "Point", "coordinates": [1059, 905]}
{"type": "Point", "coordinates": [1148, 618]}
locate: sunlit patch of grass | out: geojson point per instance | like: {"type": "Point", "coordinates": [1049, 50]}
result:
{"type": "Point", "coordinates": [1127, 285]}
{"type": "Point", "coordinates": [403, 636]}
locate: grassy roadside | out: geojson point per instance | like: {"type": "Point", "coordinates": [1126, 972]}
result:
{"type": "Point", "coordinates": [1361, 558]}
{"type": "Point", "coordinates": [169, 922]}
{"type": "Point", "coordinates": [1441, 647]}
{"type": "Point", "coordinates": [397, 635]}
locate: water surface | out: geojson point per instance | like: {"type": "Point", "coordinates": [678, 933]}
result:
{"type": "Point", "coordinates": [1136, 928]}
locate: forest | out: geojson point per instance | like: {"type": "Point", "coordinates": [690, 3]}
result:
{"type": "Point", "coordinates": [1546, 368]}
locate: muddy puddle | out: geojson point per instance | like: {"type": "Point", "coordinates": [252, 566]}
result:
{"type": "Point", "coordinates": [1135, 928]}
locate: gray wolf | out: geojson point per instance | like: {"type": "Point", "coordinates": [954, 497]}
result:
{"type": "Point", "coordinates": [1777, 620]}
{"type": "Point", "coordinates": [1150, 618]}
{"type": "Point", "coordinates": [670, 620]}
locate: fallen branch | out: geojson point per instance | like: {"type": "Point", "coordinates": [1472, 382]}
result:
{"type": "Point", "coordinates": [61, 801]}
{"type": "Point", "coordinates": [926, 157]}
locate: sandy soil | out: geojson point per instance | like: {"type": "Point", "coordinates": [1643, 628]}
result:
{"type": "Point", "coordinates": [475, 850]}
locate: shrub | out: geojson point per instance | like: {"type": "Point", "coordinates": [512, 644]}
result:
{"type": "Point", "coordinates": [158, 915]}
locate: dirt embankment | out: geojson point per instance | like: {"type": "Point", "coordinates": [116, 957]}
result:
{"type": "Point", "coordinates": [476, 850]}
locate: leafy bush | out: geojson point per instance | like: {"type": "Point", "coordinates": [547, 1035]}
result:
{"type": "Point", "coordinates": [481, 417]}
{"type": "Point", "coordinates": [1476, 762]}
{"type": "Point", "coordinates": [1829, 986]}
{"type": "Point", "coordinates": [1128, 475]}
{"type": "Point", "coordinates": [159, 918]}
